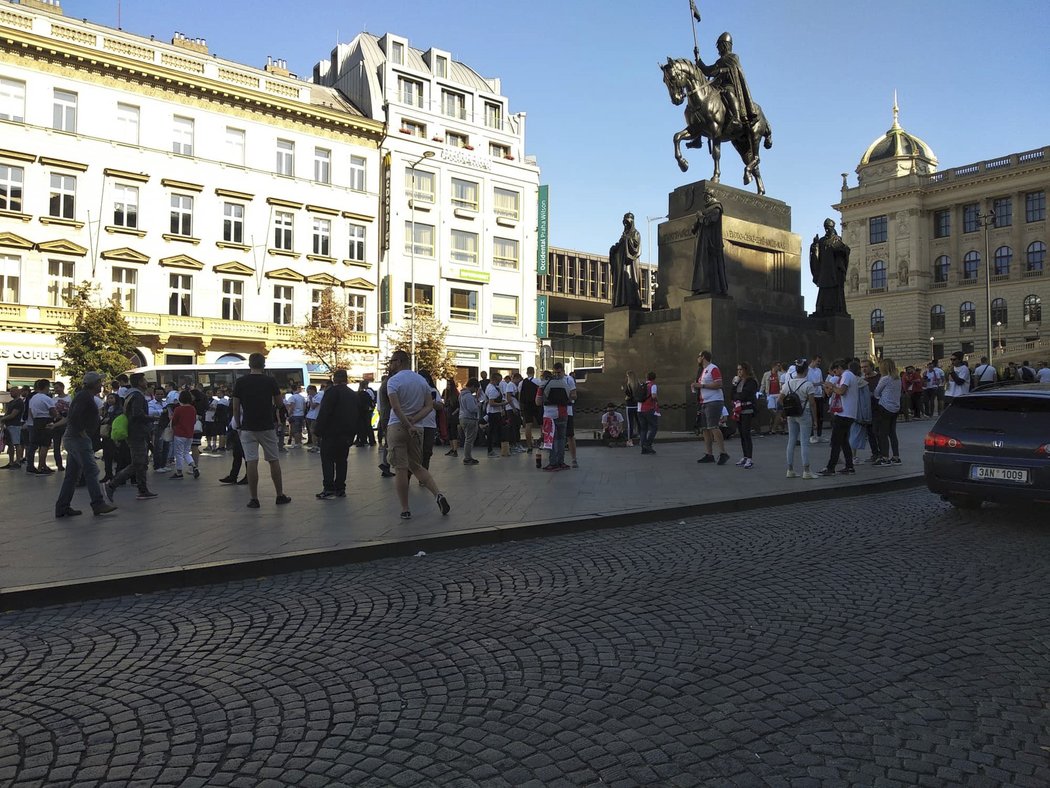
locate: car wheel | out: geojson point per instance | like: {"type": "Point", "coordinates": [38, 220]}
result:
{"type": "Point", "coordinates": [963, 501]}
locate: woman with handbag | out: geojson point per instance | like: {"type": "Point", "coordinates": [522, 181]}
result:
{"type": "Point", "coordinates": [745, 390]}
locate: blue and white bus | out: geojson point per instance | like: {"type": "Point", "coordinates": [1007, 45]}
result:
{"type": "Point", "coordinates": [285, 373]}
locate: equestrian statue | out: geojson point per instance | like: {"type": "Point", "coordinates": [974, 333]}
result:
{"type": "Point", "coordinates": [718, 106]}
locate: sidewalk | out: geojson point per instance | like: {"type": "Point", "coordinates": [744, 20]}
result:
{"type": "Point", "coordinates": [200, 531]}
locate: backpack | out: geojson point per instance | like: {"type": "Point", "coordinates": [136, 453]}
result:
{"type": "Point", "coordinates": [1027, 375]}
{"type": "Point", "coordinates": [118, 430]}
{"type": "Point", "coordinates": [555, 393]}
{"type": "Point", "coordinates": [791, 402]}
{"type": "Point", "coordinates": [641, 393]}
{"type": "Point", "coordinates": [527, 395]}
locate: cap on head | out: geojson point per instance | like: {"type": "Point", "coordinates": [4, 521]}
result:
{"type": "Point", "coordinates": [91, 379]}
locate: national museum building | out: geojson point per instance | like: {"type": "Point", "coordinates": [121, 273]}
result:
{"type": "Point", "coordinates": [215, 200]}
{"type": "Point", "coordinates": [923, 240]}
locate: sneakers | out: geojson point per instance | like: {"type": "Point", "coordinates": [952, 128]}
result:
{"type": "Point", "coordinates": [443, 504]}
{"type": "Point", "coordinates": [243, 481]}
{"type": "Point", "coordinates": [790, 474]}
{"type": "Point", "coordinates": [895, 460]}
{"type": "Point", "coordinates": [575, 464]}
{"type": "Point", "coordinates": [451, 453]}
{"type": "Point", "coordinates": [848, 470]}
{"type": "Point", "coordinates": [109, 490]}
{"type": "Point", "coordinates": [389, 474]}
{"type": "Point", "coordinates": [826, 472]}
{"type": "Point", "coordinates": [253, 503]}
{"type": "Point", "coordinates": [493, 454]}
{"type": "Point", "coordinates": [146, 496]}
{"type": "Point", "coordinates": [69, 512]}
{"type": "Point", "coordinates": [471, 461]}
{"type": "Point", "coordinates": [104, 508]}
{"type": "Point", "coordinates": [164, 469]}
{"type": "Point", "coordinates": [196, 472]}
{"type": "Point", "coordinates": [228, 480]}
{"type": "Point", "coordinates": [808, 475]}
{"type": "Point", "coordinates": [748, 465]}
{"type": "Point", "coordinates": [882, 463]}
{"type": "Point", "coordinates": [814, 439]}
{"type": "Point", "coordinates": [723, 459]}
{"type": "Point", "coordinates": [707, 458]}
{"type": "Point", "coordinates": [176, 475]}
{"type": "Point", "coordinates": [282, 499]}
{"type": "Point", "coordinates": [742, 461]}
{"type": "Point", "coordinates": [406, 515]}
{"type": "Point", "coordinates": [325, 495]}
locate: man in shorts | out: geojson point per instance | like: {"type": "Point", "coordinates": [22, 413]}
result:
{"type": "Point", "coordinates": [709, 385]}
{"type": "Point", "coordinates": [255, 398]}
{"type": "Point", "coordinates": [410, 403]}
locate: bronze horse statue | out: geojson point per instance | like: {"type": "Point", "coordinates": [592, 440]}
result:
{"type": "Point", "coordinates": [706, 116]}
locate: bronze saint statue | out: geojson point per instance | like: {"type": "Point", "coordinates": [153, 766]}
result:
{"type": "Point", "coordinates": [828, 262]}
{"type": "Point", "coordinates": [709, 262]}
{"type": "Point", "coordinates": [623, 258]}
{"type": "Point", "coordinates": [727, 75]}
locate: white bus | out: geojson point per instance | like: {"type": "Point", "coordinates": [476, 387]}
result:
{"type": "Point", "coordinates": [285, 373]}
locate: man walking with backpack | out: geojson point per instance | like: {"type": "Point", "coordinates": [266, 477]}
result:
{"type": "Point", "coordinates": [136, 411]}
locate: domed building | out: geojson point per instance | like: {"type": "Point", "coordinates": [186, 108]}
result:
{"type": "Point", "coordinates": [919, 240]}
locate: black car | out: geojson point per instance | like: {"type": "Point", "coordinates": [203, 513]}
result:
{"type": "Point", "coordinates": [992, 444]}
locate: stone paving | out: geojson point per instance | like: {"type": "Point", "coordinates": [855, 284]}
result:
{"type": "Point", "coordinates": [201, 526]}
{"type": "Point", "coordinates": [871, 641]}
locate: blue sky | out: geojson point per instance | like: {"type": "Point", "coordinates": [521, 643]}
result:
{"type": "Point", "coordinates": [971, 79]}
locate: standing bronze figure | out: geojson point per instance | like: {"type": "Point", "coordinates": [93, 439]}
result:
{"type": "Point", "coordinates": [709, 262]}
{"type": "Point", "coordinates": [828, 262]}
{"type": "Point", "coordinates": [623, 258]}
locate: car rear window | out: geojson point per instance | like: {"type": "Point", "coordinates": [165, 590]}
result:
{"type": "Point", "coordinates": [1003, 410]}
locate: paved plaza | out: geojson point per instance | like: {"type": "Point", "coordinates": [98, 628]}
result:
{"type": "Point", "coordinates": [870, 641]}
{"type": "Point", "coordinates": [200, 531]}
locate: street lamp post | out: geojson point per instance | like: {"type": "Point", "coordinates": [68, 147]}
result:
{"type": "Point", "coordinates": [428, 154]}
{"type": "Point", "coordinates": [931, 349]}
{"type": "Point", "coordinates": [999, 338]}
{"type": "Point", "coordinates": [987, 220]}
{"type": "Point", "coordinates": [650, 220]}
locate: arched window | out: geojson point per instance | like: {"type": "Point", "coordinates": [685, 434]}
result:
{"type": "Point", "coordinates": [941, 266]}
{"type": "Point", "coordinates": [230, 358]}
{"type": "Point", "coordinates": [1033, 309]}
{"type": "Point", "coordinates": [1036, 256]}
{"type": "Point", "coordinates": [998, 311]}
{"type": "Point", "coordinates": [937, 318]}
{"type": "Point", "coordinates": [967, 315]}
{"type": "Point", "coordinates": [971, 264]}
{"type": "Point", "coordinates": [878, 322]}
{"type": "Point", "coordinates": [878, 275]}
{"type": "Point", "coordinates": [1004, 255]}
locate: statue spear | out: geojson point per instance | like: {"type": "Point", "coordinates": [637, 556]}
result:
{"type": "Point", "coordinates": [696, 18]}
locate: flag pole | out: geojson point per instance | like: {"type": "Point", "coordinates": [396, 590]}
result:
{"type": "Point", "coordinates": [694, 14]}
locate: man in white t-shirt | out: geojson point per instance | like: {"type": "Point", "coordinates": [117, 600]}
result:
{"type": "Point", "coordinates": [313, 408]}
{"type": "Point", "coordinates": [958, 378]}
{"type": "Point", "coordinates": [842, 389]}
{"type": "Point", "coordinates": [38, 423]}
{"type": "Point", "coordinates": [1043, 374]}
{"type": "Point", "coordinates": [712, 399]}
{"type": "Point", "coordinates": [295, 402]}
{"type": "Point", "coordinates": [984, 373]}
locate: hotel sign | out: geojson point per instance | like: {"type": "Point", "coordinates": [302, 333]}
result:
{"type": "Point", "coordinates": [542, 222]}
{"type": "Point", "coordinates": [541, 316]}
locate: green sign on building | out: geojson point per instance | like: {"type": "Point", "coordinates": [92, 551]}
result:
{"type": "Point", "coordinates": [543, 216]}
{"type": "Point", "coordinates": [541, 317]}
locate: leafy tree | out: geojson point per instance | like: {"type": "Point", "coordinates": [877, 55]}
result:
{"type": "Point", "coordinates": [327, 332]}
{"type": "Point", "coordinates": [431, 353]}
{"type": "Point", "coordinates": [101, 340]}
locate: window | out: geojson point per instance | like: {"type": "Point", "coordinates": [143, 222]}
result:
{"type": "Point", "coordinates": [358, 173]}
{"type": "Point", "coordinates": [9, 275]}
{"type": "Point", "coordinates": [282, 305]}
{"type": "Point", "coordinates": [356, 250]}
{"type": "Point", "coordinates": [441, 66]}
{"type": "Point", "coordinates": [285, 157]}
{"type": "Point", "coordinates": [878, 322]}
{"type": "Point", "coordinates": [464, 247]}
{"type": "Point", "coordinates": [182, 136]}
{"type": "Point", "coordinates": [1033, 309]}
{"type": "Point", "coordinates": [125, 206]}
{"type": "Point", "coordinates": [233, 223]}
{"type": "Point", "coordinates": [493, 115]}
{"type": "Point", "coordinates": [506, 203]}
{"type": "Point", "coordinates": [410, 91]}
{"type": "Point", "coordinates": [283, 222]}
{"type": "Point", "coordinates": [971, 264]}
{"type": "Point", "coordinates": [397, 52]}
{"type": "Point", "coordinates": [424, 297]}
{"type": "Point", "coordinates": [59, 281]}
{"type": "Point", "coordinates": [941, 266]}
{"type": "Point", "coordinates": [998, 311]}
{"type": "Point", "coordinates": [937, 318]}
{"type": "Point", "coordinates": [505, 310]}
{"type": "Point", "coordinates": [942, 224]}
{"type": "Point", "coordinates": [232, 299]}
{"type": "Point", "coordinates": [877, 230]}
{"type": "Point", "coordinates": [457, 140]}
{"type": "Point", "coordinates": [322, 244]}
{"type": "Point", "coordinates": [414, 128]}
{"type": "Point", "coordinates": [424, 190]}
{"type": "Point", "coordinates": [1003, 208]}
{"type": "Point", "coordinates": [180, 293]}
{"type": "Point", "coordinates": [235, 146]}
{"type": "Point", "coordinates": [971, 217]}
{"type": "Point", "coordinates": [464, 194]}
{"type": "Point", "coordinates": [355, 309]}
{"type": "Point", "coordinates": [499, 151]}
{"type": "Point", "coordinates": [322, 165]}
{"type": "Point", "coordinates": [878, 275]}
{"type": "Point", "coordinates": [454, 104]}
{"type": "Point", "coordinates": [1004, 255]}
{"type": "Point", "coordinates": [127, 123]}
{"type": "Point", "coordinates": [967, 315]}
{"type": "Point", "coordinates": [62, 202]}
{"type": "Point", "coordinates": [315, 301]}
{"type": "Point", "coordinates": [125, 283]}
{"type": "Point", "coordinates": [181, 216]}
{"type": "Point", "coordinates": [1035, 206]}
{"type": "Point", "coordinates": [64, 115]}
{"type": "Point", "coordinates": [505, 253]}
{"type": "Point", "coordinates": [1036, 256]}
{"type": "Point", "coordinates": [463, 305]}
{"type": "Point", "coordinates": [12, 100]}
{"type": "Point", "coordinates": [11, 179]}
{"type": "Point", "coordinates": [420, 239]}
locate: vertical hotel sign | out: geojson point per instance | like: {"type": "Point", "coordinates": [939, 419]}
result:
{"type": "Point", "coordinates": [542, 225]}
{"type": "Point", "coordinates": [541, 317]}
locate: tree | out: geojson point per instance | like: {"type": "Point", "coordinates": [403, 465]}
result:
{"type": "Point", "coordinates": [326, 333]}
{"type": "Point", "coordinates": [101, 340]}
{"type": "Point", "coordinates": [431, 353]}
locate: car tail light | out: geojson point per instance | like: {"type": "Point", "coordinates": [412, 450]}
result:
{"type": "Point", "coordinates": [1044, 450]}
{"type": "Point", "coordinates": [935, 440]}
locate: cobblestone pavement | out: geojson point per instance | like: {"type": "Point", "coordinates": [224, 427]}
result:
{"type": "Point", "coordinates": [875, 642]}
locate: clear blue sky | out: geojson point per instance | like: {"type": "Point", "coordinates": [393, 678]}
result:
{"type": "Point", "coordinates": [971, 78]}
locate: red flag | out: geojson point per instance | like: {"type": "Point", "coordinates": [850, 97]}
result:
{"type": "Point", "coordinates": [695, 10]}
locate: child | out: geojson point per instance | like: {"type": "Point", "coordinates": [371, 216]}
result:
{"type": "Point", "coordinates": [183, 422]}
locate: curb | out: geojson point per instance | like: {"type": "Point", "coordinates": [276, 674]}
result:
{"type": "Point", "coordinates": [45, 595]}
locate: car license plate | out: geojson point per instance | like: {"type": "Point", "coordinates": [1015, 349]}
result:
{"type": "Point", "coordinates": [986, 473]}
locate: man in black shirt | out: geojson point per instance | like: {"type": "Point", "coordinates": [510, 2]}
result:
{"type": "Point", "coordinates": [137, 412]}
{"type": "Point", "coordinates": [337, 422]}
{"type": "Point", "coordinates": [255, 398]}
{"type": "Point", "coordinates": [81, 427]}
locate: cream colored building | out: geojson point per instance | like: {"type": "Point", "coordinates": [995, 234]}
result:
{"type": "Point", "coordinates": [217, 200]}
{"type": "Point", "coordinates": [921, 239]}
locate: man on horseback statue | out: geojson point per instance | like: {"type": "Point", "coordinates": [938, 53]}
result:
{"type": "Point", "coordinates": [727, 75]}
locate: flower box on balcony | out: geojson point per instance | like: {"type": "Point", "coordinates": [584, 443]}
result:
{"type": "Point", "coordinates": [468, 147]}
{"type": "Point", "coordinates": [405, 131]}
{"type": "Point", "coordinates": [508, 157]}
{"type": "Point", "coordinates": [438, 139]}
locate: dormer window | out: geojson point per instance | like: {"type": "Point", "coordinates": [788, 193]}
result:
{"type": "Point", "coordinates": [441, 66]}
{"type": "Point", "coordinates": [397, 52]}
